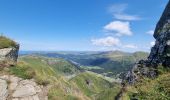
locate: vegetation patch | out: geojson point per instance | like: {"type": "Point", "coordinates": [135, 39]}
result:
{"type": "Point", "coordinates": [6, 42]}
{"type": "Point", "coordinates": [151, 89]}
{"type": "Point", "coordinates": [22, 71]}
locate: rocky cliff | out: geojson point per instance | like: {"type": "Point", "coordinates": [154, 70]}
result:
{"type": "Point", "coordinates": [8, 56]}
{"type": "Point", "coordinates": [160, 52]}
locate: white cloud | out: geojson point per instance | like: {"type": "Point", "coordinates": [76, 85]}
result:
{"type": "Point", "coordinates": [152, 43]}
{"type": "Point", "coordinates": [117, 8]}
{"type": "Point", "coordinates": [120, 27]}
{"type": "Point", "coordinates": [108, 41]}
{"type": "Point", "coordinates": [118, 11]}
{"type": "Point", "coordinates": [151, 32]}
{"type": "Point", "coordinates": [131, 46]}
{"type": "Point", "coordinates": [126, 17]}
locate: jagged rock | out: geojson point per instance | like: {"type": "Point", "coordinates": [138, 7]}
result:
{"type": "Point", "coordinates": [3, 90]}
{"type": "Point", "coordinates": [8, 56]}
{"type": "Point", "coordinates": [160, 53]}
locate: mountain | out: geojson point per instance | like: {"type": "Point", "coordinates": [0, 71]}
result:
{"type": "Point", "coordinates": [109, 63]}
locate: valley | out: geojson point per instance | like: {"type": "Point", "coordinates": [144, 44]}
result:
{"type": "Point", "coordinates": [57, 52]}
{"type": "Point", "coordinates": [108, 63]}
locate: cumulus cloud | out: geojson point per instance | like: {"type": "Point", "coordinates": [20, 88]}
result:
{"type": "Point", "coordinates": [151, 32]}
{"type": "Point", "coordinates": [120, 27]}
{"type": "Point", "coordinates": [152, 43]}
{"type": "Point", "coordinates": [107, 41]}
{"type": "Point", "coordinates": [126, 17]}
{"type": "Point", "coordinates": [131, 46]}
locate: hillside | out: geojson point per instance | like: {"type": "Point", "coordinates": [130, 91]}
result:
{"type": "Point", "coordinates": [64, 80]}
{"type": "Point", "coordinates": [108, 63]}
{"type": "Point", "coordinates": [60, 66]}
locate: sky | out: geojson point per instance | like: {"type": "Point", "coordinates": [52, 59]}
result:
{"type": "Point", "coordinates": [81, 25]}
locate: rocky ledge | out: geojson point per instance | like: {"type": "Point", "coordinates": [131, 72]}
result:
{"type": "Point", "coordinates": [8, 56]}
{"type": "Point", "coordinates": [14, 88]}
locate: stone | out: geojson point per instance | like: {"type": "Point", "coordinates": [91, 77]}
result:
{"type": "Point", "coordinates": [3, 89]}
{"type": "Point", "coordinates": [13, 82]}
{"type": "Point", "coordinates": [35, 97]}
{"type": "Point", "coordinates": [8, 56]}
{"type": "Point", "coordinates": [4, 77]}
{"type": "Point", "coordinates": [15, 99]}
{"type": "Point", "coordinates": [24, 91]}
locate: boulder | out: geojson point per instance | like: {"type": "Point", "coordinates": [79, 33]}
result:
{"type": "Point", "coordinates": [24, 91]}
{"type": "Point", "coordinates": [8, 56]}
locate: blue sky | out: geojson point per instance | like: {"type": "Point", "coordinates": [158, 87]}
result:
{"type": "Point", "coordinates": [80, 25]}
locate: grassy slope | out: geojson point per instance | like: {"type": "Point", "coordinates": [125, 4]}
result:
{"type": "Point", "coordinates": [90, 84]}
{"type": "Point", "coordinates": [151, 89]}
{"type": "Point", "coordinates": [53, 75]}
{"type": "Point", "coordinates": [6, 42]}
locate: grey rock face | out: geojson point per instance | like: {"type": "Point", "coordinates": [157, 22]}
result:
{"type": "Point", "coordinates": [140, 70]}
{"type": "Point", "coordinates": [8, 56]}
{"type": "Point", "coordinates": [160, 53]}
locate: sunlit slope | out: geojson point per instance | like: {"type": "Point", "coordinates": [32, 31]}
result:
{"type": "Point", "coordinates": [92, 85]}
{"type": "Point", "coordinates": [52, 72]}
{"type": "Point", "coordinates": [51, 65]}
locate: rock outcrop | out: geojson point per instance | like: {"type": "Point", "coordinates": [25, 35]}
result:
{"type": "Point", "coordinates": [14, 88]}
{"type": "Point", "coordinates": [8, 56]}
{"type": "Point", "coordinates": [160, 52]}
